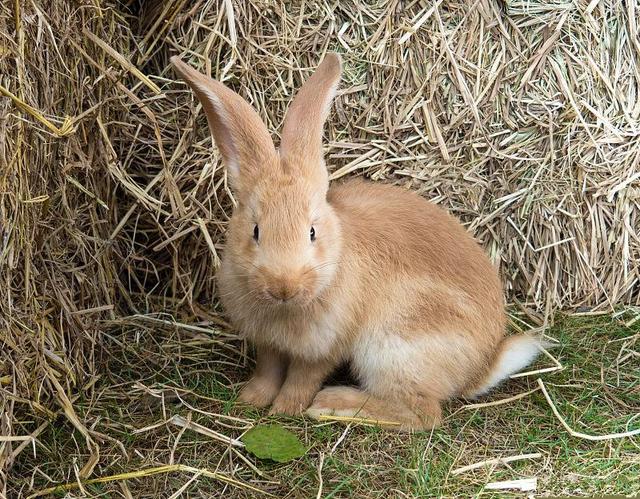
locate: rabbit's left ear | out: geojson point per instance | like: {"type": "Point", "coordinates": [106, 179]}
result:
{"type": "Point", "coordinates": [304, 122]}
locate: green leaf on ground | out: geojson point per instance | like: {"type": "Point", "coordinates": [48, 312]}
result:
{"type": "Point", "coordinates": [273, 442]}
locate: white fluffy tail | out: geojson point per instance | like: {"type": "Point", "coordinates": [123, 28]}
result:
{"type": "Point", "coordinates": [516, 353]}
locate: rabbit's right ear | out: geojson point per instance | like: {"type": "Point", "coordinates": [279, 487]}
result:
{"type": "Point", "coordinates": [303, 124]}
{"type": "Point", "coordinates": [240, 134]}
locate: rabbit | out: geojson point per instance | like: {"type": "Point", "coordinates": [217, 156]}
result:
{"type": "Point", "coordinates": [360, 272]}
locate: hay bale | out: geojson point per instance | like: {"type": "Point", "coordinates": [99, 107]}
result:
{"type": "Point", "coordinates": [521, 118]}
{"type": "Point", "coordinates": [62, 101]}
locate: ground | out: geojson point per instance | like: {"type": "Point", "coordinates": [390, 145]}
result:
{"type": "Point", "coordinates": [156, 372]}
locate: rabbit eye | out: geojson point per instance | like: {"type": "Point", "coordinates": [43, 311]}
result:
{"type": "Point", "coordinates": [256, 233]}
{"type": "Point", "coordinates": [312, 234]}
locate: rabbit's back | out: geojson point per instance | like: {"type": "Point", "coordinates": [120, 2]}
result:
{"type": "Point", "coordinates": [399, 232]}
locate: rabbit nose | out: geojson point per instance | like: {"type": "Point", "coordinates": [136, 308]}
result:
{"type": "Point", "coordinates": [283, 289]}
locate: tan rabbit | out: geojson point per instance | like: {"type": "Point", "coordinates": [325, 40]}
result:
{"type": "Point", "coordinates": [364, 273]}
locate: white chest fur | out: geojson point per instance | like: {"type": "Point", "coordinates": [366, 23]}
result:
{"type": "Point", "coordinates": [309, 335]}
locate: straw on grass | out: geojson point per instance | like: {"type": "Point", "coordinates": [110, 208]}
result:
{"type": "Point", "coordinates": [149, 472]}
{"type": "Point", "coordinates": [493, 462]}
{"type": "Point", "coordinates": [574, 433]}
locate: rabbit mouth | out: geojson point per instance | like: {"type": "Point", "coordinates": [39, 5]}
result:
{"type": "Point", "coordinates": [295, 299]}
{"type": "Point", "coordinates": [287, 289]}
{"type": "Point", "coordinates": [281, 299]}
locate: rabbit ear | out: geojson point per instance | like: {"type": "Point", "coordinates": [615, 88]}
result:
{"type": "Point", "coordinates": [303, 124]}
{"type": "Point", "coordinates": [240, 134]}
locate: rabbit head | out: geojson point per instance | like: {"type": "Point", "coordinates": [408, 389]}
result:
{"type": "Point", "coordinates": [284, 239]}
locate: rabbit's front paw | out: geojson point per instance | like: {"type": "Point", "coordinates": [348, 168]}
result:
{"type": "Point", "coordinates": [291, 403]}
{"type": "Point", "coordinates": [259, 392]}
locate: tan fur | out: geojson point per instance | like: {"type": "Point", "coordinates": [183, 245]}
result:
{"type": "Point", "coordinates": [392, 284]}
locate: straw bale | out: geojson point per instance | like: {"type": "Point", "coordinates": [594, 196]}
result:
{"type": "Point", "coordinates": [62, 102]}
{"type": "Point", "coordinates": [521, 118]}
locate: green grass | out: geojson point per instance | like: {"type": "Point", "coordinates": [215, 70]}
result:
{"type": "Point", "coordinates": [597, 392]}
